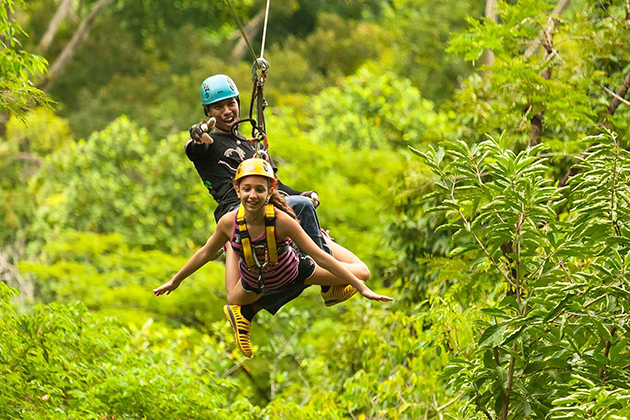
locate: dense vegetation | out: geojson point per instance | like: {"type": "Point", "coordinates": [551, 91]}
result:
{"type": "Point", "coordinates": [476, 160]}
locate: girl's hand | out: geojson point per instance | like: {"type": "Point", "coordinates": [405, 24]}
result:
{"type": "Point", "coordinates": [167, 288]}
{"type": "Point", "coordinates": [368, 293]}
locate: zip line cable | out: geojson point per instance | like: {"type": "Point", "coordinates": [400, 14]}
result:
{"type": "Point", "coordinates": [260, 65]}
{"type": "Point", "coordinates": [262, 48]}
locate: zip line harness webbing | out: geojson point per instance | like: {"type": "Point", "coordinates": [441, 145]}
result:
{"type": "Point", "coordinates": [249, 253]}
{"type": "Point", "coordinates": [259, 76]}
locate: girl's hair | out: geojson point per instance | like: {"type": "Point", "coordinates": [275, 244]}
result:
{"type": "Point", "coordinates": [278, 200]}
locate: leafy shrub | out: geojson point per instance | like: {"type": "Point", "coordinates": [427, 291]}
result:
{"type": "Point", "coordinates": [60, 361]}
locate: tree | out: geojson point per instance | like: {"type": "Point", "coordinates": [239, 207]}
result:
{"type": "Point", "coordinates": [557, 320]}
{"type": "Point", "coordinates": [17, 66]}
{"type": "Point", "coordinates": [556, 96]}
{"type": "Point", "coordinates": [63, 359]}
{"type": "Point", "coordinates": [122, 181]}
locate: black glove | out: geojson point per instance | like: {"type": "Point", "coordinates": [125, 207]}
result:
{"type": "Point", "coordinates": [199, 132]}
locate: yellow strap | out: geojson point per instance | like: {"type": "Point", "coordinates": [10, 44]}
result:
{"type": "Point", "coordinates": [270, 229]}
{"type": "Point", "coordinates": [246, 243]}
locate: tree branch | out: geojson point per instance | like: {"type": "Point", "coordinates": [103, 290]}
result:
{"type": "Point", "coordinates": [618, 97]}
{"type": "Point", "coordinates": [250, 30]}
{"type": "Point", "coordinates": [557, 11]}
{"type": "Point", "coordinates": [62, 11]}
{"type": "Point", "coordinates": [506, 404]}
{"type": "Point", "coordinates": [70, 49]}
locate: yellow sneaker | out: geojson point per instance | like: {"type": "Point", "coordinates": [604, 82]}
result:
{"type": "Point", "coordinates": [338, 294]}
{"type": "Point", "coordinates": [241, 327]}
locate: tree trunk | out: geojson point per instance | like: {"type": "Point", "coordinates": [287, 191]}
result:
{"type": "Point", "coordinates": [621, 93]}
{"type": "Point", "coordinates": [70, 49]}
{"type": "Point", "coordinates": [62, 11]}
{"type": "Point", "coordinates": [252, 27]}
{"type": "Point", "coordinates": [536, 126]}
{"type": "Point", "coordinates": [491, 14]}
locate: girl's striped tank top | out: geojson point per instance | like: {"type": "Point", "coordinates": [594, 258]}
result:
{"type": "Point", "coordinates": [274, 276]}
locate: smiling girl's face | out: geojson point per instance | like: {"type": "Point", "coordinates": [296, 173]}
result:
{"type": "Point", "coordinates": [253, 191]}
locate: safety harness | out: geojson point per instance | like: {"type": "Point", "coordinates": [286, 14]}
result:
{"type": "Point", "coordinates": [271, 248]}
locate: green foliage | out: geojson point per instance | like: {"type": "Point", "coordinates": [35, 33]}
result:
{"type": "Point", "coordinates": [411, 230]}
{"type": "Point", "coordinates": [121, 180]}
{"type": "Point", "coordinates": [107, 274]}
{"type": "Point", "coordinates": [17, 92]}
{"type": "Point", "coordinates": [508, 284]}
{"type": "Point", "coordinates": [375, 110]}
{"type": "Point", "coordinates": [60, 361]}
{"type": "Point", "coordinates": [28, 139]}
{"type": "Point", "coordinates": [562, 322]}
{"type": "Point", "coordinates": [421, 30]}
{"type": "Point", "coordinates": [41, 132]}
{"type": "Point", "coordinates": [566, 84]}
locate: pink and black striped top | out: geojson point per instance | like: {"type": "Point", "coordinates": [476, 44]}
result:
{"type": "Point", "coordinates": [274, 276]}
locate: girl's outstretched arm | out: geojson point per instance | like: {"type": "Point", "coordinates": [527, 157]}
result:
{"type": "Point", "coordinates": [289, 227]}
{"type": "Point", "coordinates": [202, 256]}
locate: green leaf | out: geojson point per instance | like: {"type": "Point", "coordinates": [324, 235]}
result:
{"type": "Point", "coordinates": [495, 312]}
{"type": "Point", "coordinates": [492, 336]}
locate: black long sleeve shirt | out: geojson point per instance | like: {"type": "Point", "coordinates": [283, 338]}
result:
{"type": "Point", "coordinates": [216, 164]}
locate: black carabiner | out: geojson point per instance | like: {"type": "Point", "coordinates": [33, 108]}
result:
{"type": "Point", "coordinates": [255, 129]}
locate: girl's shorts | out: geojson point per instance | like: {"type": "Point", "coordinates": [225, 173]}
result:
{"type": "Point", "coordinates": [273, 300]}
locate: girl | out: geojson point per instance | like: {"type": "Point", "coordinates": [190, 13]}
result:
{"type": "Point", "coordinates": [262, 270]}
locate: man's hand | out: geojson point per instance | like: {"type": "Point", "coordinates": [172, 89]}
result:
{"type": "Point", "coordinates": [199, 132]}
{"type": "Point", "coordinates": [313, 196]}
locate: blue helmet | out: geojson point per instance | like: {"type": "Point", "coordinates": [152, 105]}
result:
{"type": "Point", "coordinates": [217, 88]}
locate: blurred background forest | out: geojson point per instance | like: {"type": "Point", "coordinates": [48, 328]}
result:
{"type": "Point", "coordinates": [472, 153]}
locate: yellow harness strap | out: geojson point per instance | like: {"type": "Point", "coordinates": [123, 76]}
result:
{"type": "Point", "coordinates": [245, 240]}
{"type": "Point", "coordinates": [270, 230]}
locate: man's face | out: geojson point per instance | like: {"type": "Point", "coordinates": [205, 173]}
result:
{"type": "Point", "coordinates": [226, 113]}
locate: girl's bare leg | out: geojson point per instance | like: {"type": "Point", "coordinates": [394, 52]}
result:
{"type": "Point", "coordinates": [351, 261]}
{"type": "Point", "coordinates": [323, 277]}
{"type": "Point", "coordinates": [232, 274]}
{"type": "Point", "coordinates": [239, 296]}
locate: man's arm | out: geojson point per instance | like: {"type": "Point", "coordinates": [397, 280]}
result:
{"type": "Point", "coordinates": [287, 189]}
{"type": "Point", "coordinates": [195, 150]}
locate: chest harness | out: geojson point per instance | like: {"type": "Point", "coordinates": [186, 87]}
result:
{"type": "Point", "coordinates": [249, 251]}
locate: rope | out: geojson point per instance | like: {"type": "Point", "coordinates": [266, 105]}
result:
{"type": "Point", "coordinates": [238, 22]}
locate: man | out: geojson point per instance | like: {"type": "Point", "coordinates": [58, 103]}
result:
{"type": "Point", "coordinates": [216, 156]}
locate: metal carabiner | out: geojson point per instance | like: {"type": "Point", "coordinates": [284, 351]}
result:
{"type": "Point", "coordinates": [261, 267]}
{"type": "Point", "coordinates": [262, 65]}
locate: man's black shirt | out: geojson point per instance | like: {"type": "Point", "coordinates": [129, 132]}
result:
{"type": "Point", "coordinates": [216, 164]}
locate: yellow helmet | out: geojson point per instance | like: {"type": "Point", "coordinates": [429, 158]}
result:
{"type": "Point", "coordinates": [255, 166]}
